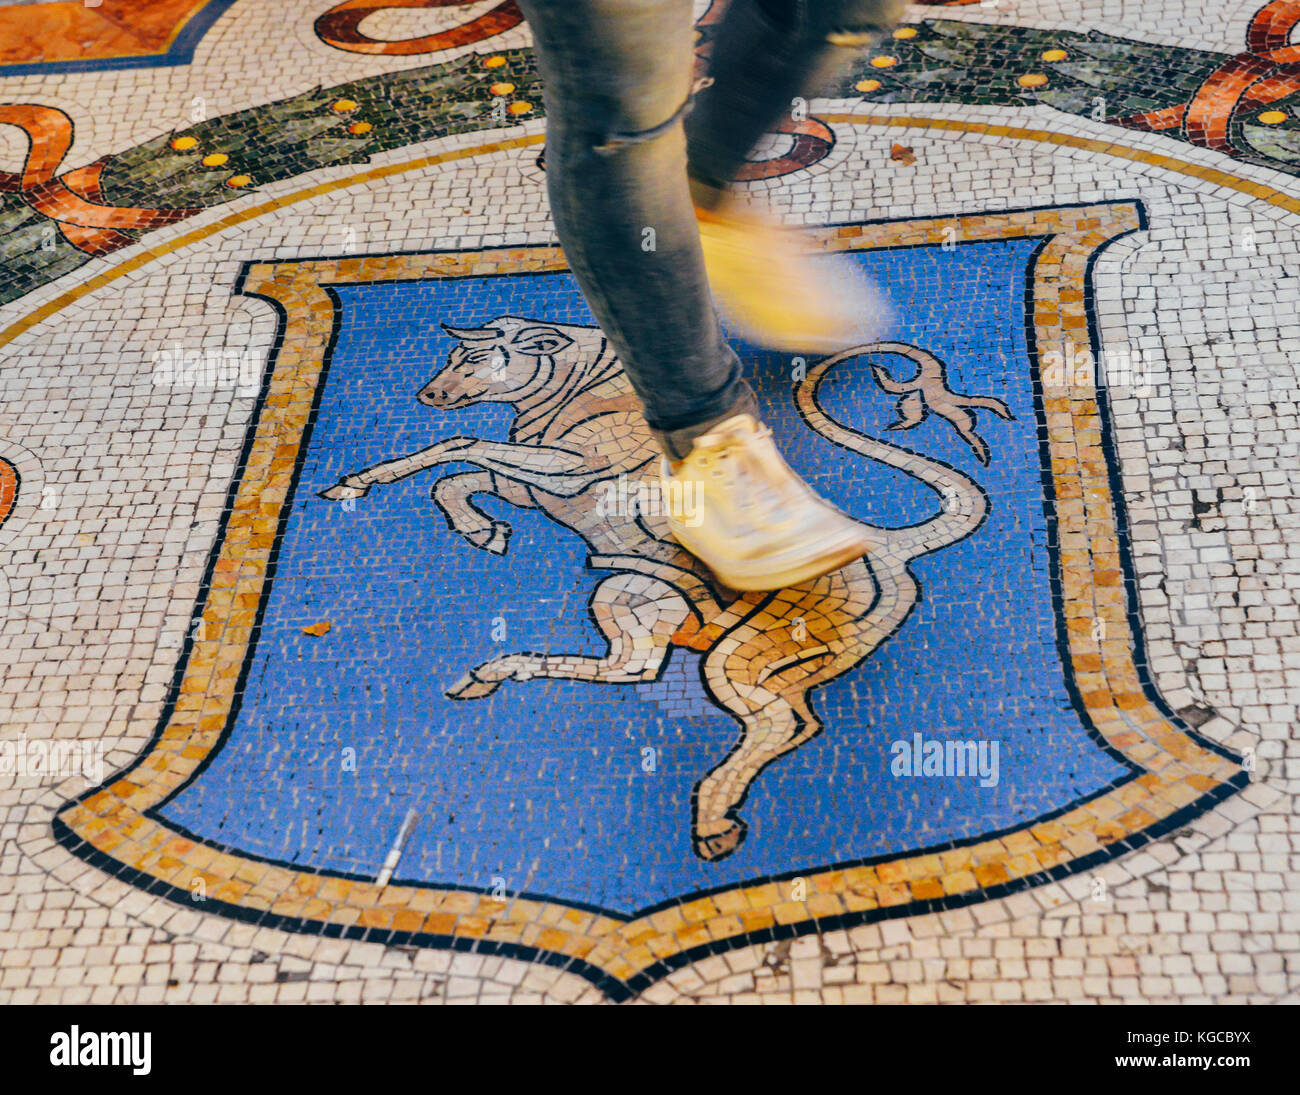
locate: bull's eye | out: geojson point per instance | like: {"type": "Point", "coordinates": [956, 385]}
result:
{"type": "Point", "coordinates": [540, 341]}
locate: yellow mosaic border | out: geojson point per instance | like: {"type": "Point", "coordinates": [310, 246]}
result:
{"type": "Point", "coordinates": [1177, 769]}
{"type": "Point", "coordinates": [179, 28]}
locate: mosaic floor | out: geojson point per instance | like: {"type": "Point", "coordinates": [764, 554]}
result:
{"type": "Point", "coordinates": [337, 669]}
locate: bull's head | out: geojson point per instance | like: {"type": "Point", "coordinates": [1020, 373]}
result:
{"type": "Point", "coordinates": [501, 363]}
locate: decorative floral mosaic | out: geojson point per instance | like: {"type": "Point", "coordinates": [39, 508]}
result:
{"type": "Point", "coordinates": [1245, 105]}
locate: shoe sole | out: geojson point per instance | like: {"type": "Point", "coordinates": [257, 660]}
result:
{"type": "Point", "coordinates": [770, 580]}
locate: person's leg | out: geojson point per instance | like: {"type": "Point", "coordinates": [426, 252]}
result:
{"type": "Point", "coordinates": [616, 79]}
{"type": "Point", "coordinates": [765, 54]}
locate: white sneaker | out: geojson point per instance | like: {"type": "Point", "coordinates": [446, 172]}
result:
{"type": "Point", "coordinates": [735, 504]}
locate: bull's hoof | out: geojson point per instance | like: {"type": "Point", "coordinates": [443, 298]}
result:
{"type": "Point", "coordinates": [340, 492]}
{"type": "Point", "coordinates": [716, 846]}
{"type": "Point", "coordinates": [469, 687]}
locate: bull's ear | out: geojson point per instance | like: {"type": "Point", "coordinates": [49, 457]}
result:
{"type": "Point", "coordinates": [473, 334]}
{"type": "Point", "coordinates": [540, 341]}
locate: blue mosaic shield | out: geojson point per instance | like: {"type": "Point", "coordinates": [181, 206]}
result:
{"type": "Point", "coordinates": [427, 700]}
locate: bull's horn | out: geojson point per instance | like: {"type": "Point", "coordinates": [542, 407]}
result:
{"type": "Point", "coordinates": [473, 334]}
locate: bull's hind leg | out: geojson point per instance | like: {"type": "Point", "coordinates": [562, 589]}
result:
{"type": "Point", "coordinates": [761, 671]}
{"type": "Point", "coordinates": [636, 614]}
{"type": "Point", "coordinates": [773, 726]}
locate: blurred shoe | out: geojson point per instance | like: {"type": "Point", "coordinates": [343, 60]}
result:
{"type": "Point", "coordinates": [777, 291]}
{"type": "Point", "coordinates": [735, 504]}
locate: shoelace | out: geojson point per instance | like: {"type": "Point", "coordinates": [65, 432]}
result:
{"type": "Point", "coordinates": [727, 452]}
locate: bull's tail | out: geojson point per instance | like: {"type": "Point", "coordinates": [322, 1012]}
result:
{"type": "Point", "coordinates": [964, 503]}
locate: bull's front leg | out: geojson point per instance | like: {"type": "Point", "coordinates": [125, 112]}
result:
{"type": "Point", "coordinates": [453, 495]}
{"type": "Point", "coordinates": [358, 484]}
{"type": "Point", "coordinates": [560, 471]}
{"type": "Point", "coordinates": [550, 468]}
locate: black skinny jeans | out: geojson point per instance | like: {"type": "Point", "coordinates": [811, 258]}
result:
{"type": "Point", "coordinates": [622, 133]}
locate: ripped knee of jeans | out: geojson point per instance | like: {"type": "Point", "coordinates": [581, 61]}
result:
{"type": "Point", "coordinates": [609, 143]}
